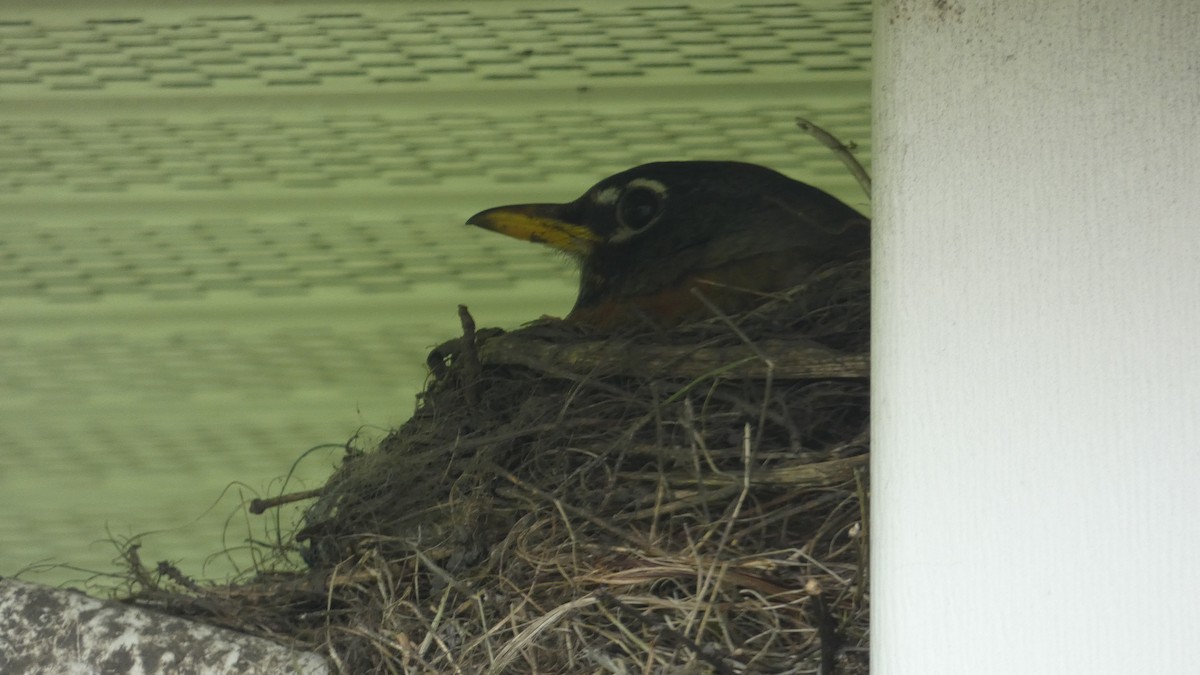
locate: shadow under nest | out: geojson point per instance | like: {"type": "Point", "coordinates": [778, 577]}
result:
{"type": "Point", "coordinates": [684, 501]}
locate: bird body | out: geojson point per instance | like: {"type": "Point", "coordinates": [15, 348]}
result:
{"type": "Point", "coordinates": [650, 238]}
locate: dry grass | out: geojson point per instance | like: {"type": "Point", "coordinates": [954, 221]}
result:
{"type": "Point", "coordinates": [684, 502]}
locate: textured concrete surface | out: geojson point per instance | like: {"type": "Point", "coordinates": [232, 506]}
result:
{"type": "Point", "coordinates": [54, 631]}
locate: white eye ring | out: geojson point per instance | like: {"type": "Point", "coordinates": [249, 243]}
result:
{"type": "Point", "coordinates": [640, 205]}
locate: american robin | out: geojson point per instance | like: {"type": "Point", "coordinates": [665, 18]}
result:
{"type": "Point", "coordinates": [646, 237]}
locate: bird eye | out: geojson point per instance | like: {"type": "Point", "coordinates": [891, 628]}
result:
{"type": "Point", "coordinates": [638, 207]}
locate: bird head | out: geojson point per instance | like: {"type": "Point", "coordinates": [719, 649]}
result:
{"type": "Point", "coordinates": [657, 227]}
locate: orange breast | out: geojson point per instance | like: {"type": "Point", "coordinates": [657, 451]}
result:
{"type": "Point", "coordinates": [732, 288]}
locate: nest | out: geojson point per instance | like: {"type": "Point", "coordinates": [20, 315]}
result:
{"type": "Point", "coordinates": [687, 501]}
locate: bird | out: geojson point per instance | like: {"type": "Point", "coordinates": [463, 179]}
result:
{"type": "Point", "coordinates": [649, 239]}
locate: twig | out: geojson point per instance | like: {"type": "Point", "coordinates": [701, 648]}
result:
{"type": "Point", "coordinates": [472, 371]}
{"type": "Point", "coordinates": [173, 573]}
{"type": "Point", "coordinates": [864, 535]}
{"type": "Point", "coordinates": [840, 149]}
{"type": "Point", "coordinates": [827, 633]}
{"type": "Point", "coordinates": [732, 516]}
{"type": "Point", "coordinates": [258, 506]}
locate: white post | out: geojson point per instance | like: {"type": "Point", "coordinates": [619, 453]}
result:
{"type": "Point", "coordinates": [1037, 339]}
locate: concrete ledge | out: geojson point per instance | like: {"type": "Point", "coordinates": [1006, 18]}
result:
{"type": "Point", "coordinates": [52, 630]}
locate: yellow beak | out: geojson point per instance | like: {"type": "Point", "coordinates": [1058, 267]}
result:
{"type": "Point", "coordinates": [540, 224]}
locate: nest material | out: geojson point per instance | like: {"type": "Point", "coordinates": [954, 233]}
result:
{"type": "Point", "coordinates": [689, 501]}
